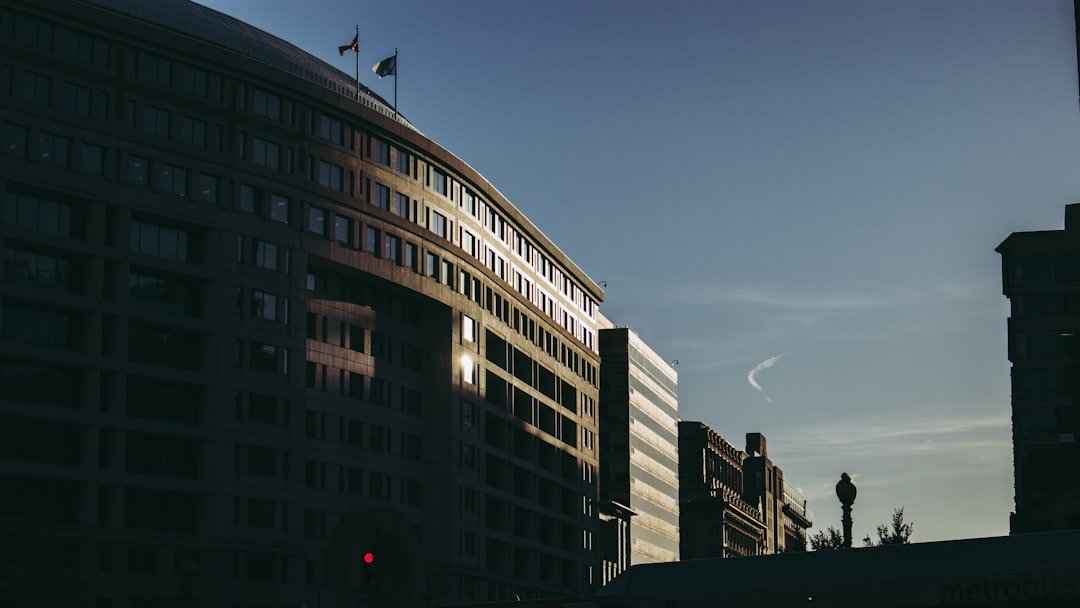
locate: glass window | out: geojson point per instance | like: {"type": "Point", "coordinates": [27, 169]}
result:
{"type": "Point", "coordinates": [92, 159]}
{"type": "Point", "coordinates": [380, 152]}
{"type": "Point", "coordinates": [36, 89]}
{"type": "Point", "coordinates": [14, 139]}
{"type": "Point", "coordinates": [264, 305]}
{"type": "Point", "coordinates": [153, 68]}
{"type": "Point", "coordinates": [35, 33]}
{"type": "Point", "coordinates": [172, 179]}
{"type": "Point", "coordinates": [161, 241]}
{"type": "Point", "coordinates": [392, 248]}
{"type": "Point", "coordinates": [53, 149]}
{"type": "Point", "coordinates": [438, 223]}
{"type": "Point", "coordinates": [267, 104]}
{"type": "Point", "coordinates": [266, 255]}
{"type": "Point", "coordinates": [193, 131]}
{"type": "Point", "coordinates": [371, 239]}
{"type": "Point", "coordinates": [330, 129]}
{"type": "Point", "coordinates": [38, 270]}
{"type": "Point", "coordinates": [381, 197]}
{"type": "Point", "coordinates": [137, 170]}
{"type": "Point", "coordinates": [401, 205]}
{"type": "Point", "coordinates": [193, 81]}
{"type": "Point", "coordinates": [343, 229]}
{"type": "Point", "coordinates": [247, 198]}
{"type": "Point", "coordinates": [404, 162]}
{"type": "Point", "coordinates": [279, 208]}
{"type": "Point", "coordinates": [438, 181]}
{"type": "Point", "coordinates": [39, 214]}
{"type": "Point", "coordinates": [316, 220]}
{"type": "Point", "coordinates": [468, 328]}
{"type": "Point", "coordinates": [330, 175]}
{"type": "Point", "coordinates": [79, 46]}
{"type": "Point", "coordinates": [76, 99]}
{"type": "Point", "coordinates": [265, 153]}
{"type": "Point", "coordinates": [156, 121]}
{"type": "Point", "coordinates": [433, 266]}
{"type": "Point", "coordinates": [412, 257]}
{"type": "Point", "coordinates": [208, 188]}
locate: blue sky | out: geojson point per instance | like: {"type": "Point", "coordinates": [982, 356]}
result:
{"type": "Point", "coordinates": [824, 182]}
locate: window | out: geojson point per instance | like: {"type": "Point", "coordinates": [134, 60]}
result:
{"type": "Point", "coordinates": [266, 255]}
{"type": "Point", "coordinates": [40, 214]}
{"type": "Point", "coordinates": [208, 188]}
{"type": "Point", "coordinates": [404, 162]}
{"type": "Point", "coordinates": [35, 33]}
{"type": "Point", "coordinates": [437, 223]}
{"type": "Point", "coordinates": [316, 220]}
{"type": "Point", "coordinates": [172, 179]}
{"type": "Point", "coordinates": [76, 99]}
{"type": "Point", "coordinates": [468, 242]}
{"type": "Point", "coordinates": [14, 139]}
{"type": "Point", "coordinates": [279, 208]}
{"type": "Point", "coordinates": [468, 328]}
{"type": "Point", "coordinates": [265, 153]}
{"type": "Point", "coordinates": [137, 170]}
{"type": "Point", "coordinates": [193, 131]}
{"type": "Point", "coordinates": [330, 129]}
{"type": "Point", "coordinates": [248, 199]}
{"type": "Point", "coordinates": [264, 305]}
{"type": "Point", "coordinates": [343, 228]}
{"type": "Point", "coordinates": [92, 159]}
{"type": "Point", "coordinates": [433, 266]}
{"type": "Point", "coordinates": [79, 46]}
{"type": "Point", "coordinates": [448, 273]}
{"type": "Point", "coordinates": [412, 257]}
{"type": "Point", "coordinates": [371, 239]}
{"type": "Point", "coordinates": [153, 68]}
{"type": "Point", "coordinates": [165, 346]}
{"type": "Point", "coordinates": [392, 248]}
{"type": "Point", "coordinates": [267, 104]}
{"type": "Point", "coordinates": [163, 293]}
{"type": "Point", "coordinates": [381, 196]}
{"type": "Point", "coordinates": [438, 181]}
{"type": "Point", "coordinates": [37, 270]}
{"type": "Point", "coordinates": [193, 81]}
{"type": "Point", "coordinates": [36, 89]}
{"type": "Point", "coordinates": [380, 151]}
{"type": "Point", "coordinates": [263, 357]}
{"type": "Point", "coordinates": [156, 121]}
{"type": "Point", "coordinates": [161, 241]}
{"type": "Point", "coordinates": [330, 175]}
{"type": "Point", "coordinates": [53, 149]}
{"type": "Point", "coordinates": [401, 205]}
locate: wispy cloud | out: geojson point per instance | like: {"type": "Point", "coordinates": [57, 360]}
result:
{"type": "Point", "coordinates": [766, 364]}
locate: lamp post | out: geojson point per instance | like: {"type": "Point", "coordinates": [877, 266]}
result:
{"type": "Point", "coordinates": [845, 491]}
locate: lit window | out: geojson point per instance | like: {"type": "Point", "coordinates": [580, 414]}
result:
{"type": "Point", "coordinates": [468, 370]}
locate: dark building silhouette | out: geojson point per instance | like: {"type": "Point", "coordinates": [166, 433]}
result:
{"type": "Point", "coordinates": [255, 325]}
{"type": "Point", "coordinates": [734, 503]}
{"type": "Point", "coordinates": [1041, 278]}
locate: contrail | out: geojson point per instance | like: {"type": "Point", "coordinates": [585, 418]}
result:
{"type": "Point", "coordinates": [766, 364]}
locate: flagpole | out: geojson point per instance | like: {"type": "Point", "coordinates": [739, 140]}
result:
{"type": "Point", "coordinates": [357, 49]}
{"type": "Point", "coordinates": [396, 72]}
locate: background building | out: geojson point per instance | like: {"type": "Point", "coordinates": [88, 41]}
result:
{"type": "Point", "coordinates": [735, 503]}
{"type": "Point", "coordinates": [639, 442]}
{"type": "Point", "coordinates": [1041, 278]}
{"type": "Point", "coordinates": [256, 325]}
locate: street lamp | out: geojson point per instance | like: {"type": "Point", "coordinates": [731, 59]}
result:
{"type": "Point", "coordinates": [845, 491]}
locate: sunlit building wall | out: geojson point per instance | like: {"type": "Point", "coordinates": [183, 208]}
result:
{"type": "Point", "coordinates": [256, 324]}
{"type": "Point", "coordinates": [639, 442]}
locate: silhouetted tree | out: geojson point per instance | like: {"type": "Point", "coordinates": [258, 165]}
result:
{"type": "Point", "coordinates": [898, 533]}
{"type": "Point", "coordinates": [830, 538]}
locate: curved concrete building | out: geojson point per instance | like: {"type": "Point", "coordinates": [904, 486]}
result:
{"type": "Point", "coordinates": [257, 326]}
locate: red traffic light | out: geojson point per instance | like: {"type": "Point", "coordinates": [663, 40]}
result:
{"type": "Point", "coordinates": [369, 558]}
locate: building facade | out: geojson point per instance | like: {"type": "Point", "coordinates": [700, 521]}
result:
{"type": "Point", "coordinates": [639, 442]}
{"type": "Point", "coordinates": [1041, 279]}
{"type": "Point", "coordinates": [735, 503]}
{"type": "Point", "coordinates": [255, 325]}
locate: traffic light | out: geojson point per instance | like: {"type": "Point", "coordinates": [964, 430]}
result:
{"type": "Point", "coordinates": [367, 572]}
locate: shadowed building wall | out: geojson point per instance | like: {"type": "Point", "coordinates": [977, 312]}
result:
{"type": "Point", "coordinates": [255, 324]}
